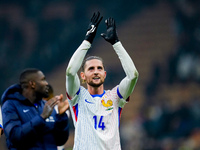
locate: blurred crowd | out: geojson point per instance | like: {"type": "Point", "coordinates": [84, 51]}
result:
{"type": "Point", "coordinates": [185, 62]}
{"type": "Point", "coordinates": [170, 117]}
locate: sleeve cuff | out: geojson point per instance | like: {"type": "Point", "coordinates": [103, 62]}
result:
{"type": "Point", "coordinates": [117, 44]}
{"type": "Point", "coordinates": [86, 43]}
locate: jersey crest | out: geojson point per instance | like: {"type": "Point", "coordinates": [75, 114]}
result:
{"type": "Point", "coordinates": [108, 104]}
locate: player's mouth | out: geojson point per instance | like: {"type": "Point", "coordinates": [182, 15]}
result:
{"type": "Point", "coordinates": [96, 78]}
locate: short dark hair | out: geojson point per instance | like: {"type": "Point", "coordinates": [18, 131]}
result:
{"type": "Point", "coordinates": [25, 75]}
{"type": "Point", "coordinates": [90, 58]}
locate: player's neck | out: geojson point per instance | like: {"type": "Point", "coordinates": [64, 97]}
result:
{"type": "Point", "coordinates": [96, 90]}
{"type": "Point", "coordinates": [30, 95]}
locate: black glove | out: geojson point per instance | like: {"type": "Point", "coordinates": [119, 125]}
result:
{"type": "Point", "coordinates": [111, 34]}
{"type": "Point", "coordinates": [92, 28]}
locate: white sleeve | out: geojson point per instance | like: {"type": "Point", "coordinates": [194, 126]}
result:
{"type": "Point", "coordinates": [72, 79]}
{"type": "Point", "coordinates": [127, 85]}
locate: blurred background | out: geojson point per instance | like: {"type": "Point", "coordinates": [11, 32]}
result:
{"type": "Point", "coordinates": [161, 36]}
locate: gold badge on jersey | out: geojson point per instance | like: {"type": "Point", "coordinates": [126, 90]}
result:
{"type": "Point", "coordinates": [108, 105]}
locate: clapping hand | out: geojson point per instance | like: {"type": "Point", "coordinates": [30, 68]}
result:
{"type": "Point", "coordinates": [49, 106]}
{"type": "Point", "coordinates": [51, 103]}
{"type": "Point", "coordinates": [62, 105]}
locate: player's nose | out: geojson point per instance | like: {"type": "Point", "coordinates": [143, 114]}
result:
{"type": "Point", "coordinates": [96, 71]}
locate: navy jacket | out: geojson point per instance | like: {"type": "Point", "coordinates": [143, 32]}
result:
{"type": "Point", "coordinates": [25, 129]}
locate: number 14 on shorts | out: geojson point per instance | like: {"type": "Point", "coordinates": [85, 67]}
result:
{"type": "Point", "coordinates": [99, 122]}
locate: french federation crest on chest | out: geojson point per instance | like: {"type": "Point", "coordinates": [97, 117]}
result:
{"type": "Point", "coordinates": [107, 103]}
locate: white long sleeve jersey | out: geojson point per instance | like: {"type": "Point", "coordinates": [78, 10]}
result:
{"type": "Point", "coordinates": [97, 117]}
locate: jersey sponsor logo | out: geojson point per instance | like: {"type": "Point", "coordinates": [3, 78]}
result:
{"type": "Point", "coordinates": [25, 110]}
{"type": "Point", "coordinates": [88, 101]}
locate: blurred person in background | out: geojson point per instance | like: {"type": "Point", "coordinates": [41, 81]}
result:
{"type": "Point", "coordinates": [29, 121]}
{"type": "Point", "coordinates": [95, 111]}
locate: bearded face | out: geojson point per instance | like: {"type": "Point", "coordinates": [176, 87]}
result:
{"type": "Point", "coordinates": [40, 85]}
{"type": "Point", "coordinates": [94, 73]}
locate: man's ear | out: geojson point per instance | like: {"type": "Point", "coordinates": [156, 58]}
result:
{"type": "Point", "coordinates": [82, 74]}
{"type": "Point", "coordinates": [32, 84]}
{"type": "Point", "coordinates": [105, 74]}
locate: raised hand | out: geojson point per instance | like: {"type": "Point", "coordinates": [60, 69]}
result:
{"type": "Point", "coordinates": [92, 28]}
{"type": "Point", "coordinates": [111, 34]}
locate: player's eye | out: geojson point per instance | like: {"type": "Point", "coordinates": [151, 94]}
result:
{"type": "Point", "coordinates": [100, 68]}
{"type": "Point", "coordinates": [91, 68]}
